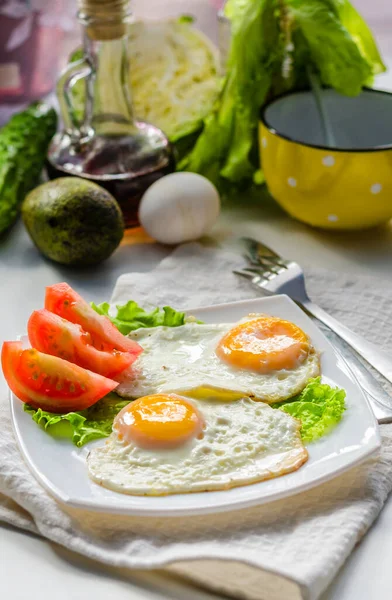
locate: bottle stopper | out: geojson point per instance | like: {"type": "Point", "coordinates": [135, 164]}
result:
{"type": "Point", "coordinates": [105, 19]}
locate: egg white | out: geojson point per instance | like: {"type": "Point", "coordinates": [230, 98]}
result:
{"type": "Point", "coordinates": [244, 442]}
{"type": "Point", "coordinates": [183, 360]}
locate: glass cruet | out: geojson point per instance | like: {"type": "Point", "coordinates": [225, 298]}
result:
{"type": "Point", "coordinates": [106, 143]}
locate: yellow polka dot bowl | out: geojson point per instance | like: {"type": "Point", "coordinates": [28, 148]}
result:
{"type": "Point", "coordinates": [336, 175]}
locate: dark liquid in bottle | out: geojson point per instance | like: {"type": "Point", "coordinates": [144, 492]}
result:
{"type": "Point", "coordinates": [119, 164]}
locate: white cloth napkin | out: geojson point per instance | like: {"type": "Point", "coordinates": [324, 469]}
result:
{"type": "Point", "coordinates": [286, 549]}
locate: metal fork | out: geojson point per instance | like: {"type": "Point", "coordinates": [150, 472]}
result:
{"type": "Point", "coordinates": [275, 275]}
{"type": "Point", "coordinates": [261, 255]}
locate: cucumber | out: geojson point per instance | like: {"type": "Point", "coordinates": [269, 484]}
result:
{"type": "Point", "coordinates": [24, 141]}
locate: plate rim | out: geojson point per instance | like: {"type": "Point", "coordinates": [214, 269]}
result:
{"type": "Point", "coordinates": [363, 452]}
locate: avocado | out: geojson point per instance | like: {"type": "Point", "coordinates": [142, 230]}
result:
{"type": "Point", "coordinates": [73, 221]}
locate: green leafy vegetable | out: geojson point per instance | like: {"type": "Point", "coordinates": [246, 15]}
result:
{"type": "Point", "coordinates": [362, 36]}
{"type": "Point", "coordinates": [273, 45]}
{"type": "Point", "coordinates": [332, 49]}
{"type": "Point", "coordinates": [84, 426]}
{"type": "Point", "coordinates": [224, 147]}
{"type": "Point", "coordinates": [319, 407]}
{"type": "Point", "coordinates": [131, 316]}
{"type": "Point", "coordinates": [24, 142]}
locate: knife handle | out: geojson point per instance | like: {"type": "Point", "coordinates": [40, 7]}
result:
{"type": "Point", "coordinates": [378, 359]}
{"type": "Point", "coordinates": [379, 400]}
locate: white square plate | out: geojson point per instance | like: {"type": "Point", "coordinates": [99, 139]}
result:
{"type": "Point", "coordinates": [60, 467]}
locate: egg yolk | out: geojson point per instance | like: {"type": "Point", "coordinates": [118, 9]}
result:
{"type": "Point", "coordinates": [264, 344]}
{"type": "Point", "coordinates": [158, 421]}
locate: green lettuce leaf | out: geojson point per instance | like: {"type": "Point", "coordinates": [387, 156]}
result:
{"type": "Point", "coordinates": [361, 34]}
{"type": "Point", "coordinates": [131, 316]}
{"type": "Point", "coordinates": [226, 143]}
{"type": "Point", "coordinates": [332, 48]}
{"type": "Point", "coordinates": [319, 407]}
{"type": "Point", "coordinates": [84, 426]}
{"type": "Point", "coordinates": [273, 44]}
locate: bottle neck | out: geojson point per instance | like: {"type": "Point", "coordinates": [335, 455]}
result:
{"type": "Point", "coordinates": [109, 109]}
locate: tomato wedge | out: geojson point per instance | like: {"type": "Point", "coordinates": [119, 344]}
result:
{"type": "Point", "coordinates": [62, 300]}
{"type": "Point", "coordinates": [54, 335]}
{"type": "Point", "coordinates": [49, 382]}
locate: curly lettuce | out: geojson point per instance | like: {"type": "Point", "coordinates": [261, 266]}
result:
{"type": "Point", "coordinates": [131, 316]}
{"type": "Point", "coordinates": [83, 426]}
{"type": "Point", "coordinates": [319, 407]}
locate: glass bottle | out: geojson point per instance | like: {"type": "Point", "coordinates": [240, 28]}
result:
{"type": "Point", "coordinates": [107, 144]}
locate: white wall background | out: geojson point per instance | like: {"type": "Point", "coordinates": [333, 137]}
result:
{"type": "Point", "coordinates": [375, 10]}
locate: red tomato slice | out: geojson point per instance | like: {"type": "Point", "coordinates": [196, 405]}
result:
{"type": "Point", "coordinates": [62, 300]}
{"type": "Point", "coordinates": [49, 382]}
{"type": "Point", "coordinates": [54, 335]}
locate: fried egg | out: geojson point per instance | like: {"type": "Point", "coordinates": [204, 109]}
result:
{"type": "Point", "coordinates": [166, 444]}
{"type": "Point", "coordinates": [261, 357]}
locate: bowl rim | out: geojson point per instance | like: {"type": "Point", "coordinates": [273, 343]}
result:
{"type": "Point", "coordinates": [284, 136]}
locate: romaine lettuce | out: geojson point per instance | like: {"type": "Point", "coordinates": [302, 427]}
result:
{"type": "Point", "coordinates": [332, 49]}
{"type": "Point", "coordinates": [361, 34]}
{"type": "Point", "coordinates": [273, 44]}
{"type": "Point", "coordinates": [225, 145]}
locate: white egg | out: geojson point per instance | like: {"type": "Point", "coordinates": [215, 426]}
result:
{"type": "Point", "coordinates": [185, 360]}
{"type": "Point", "coordinates": [179, 207]}
{"type": "Point", "coordinates": [242, 442]}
